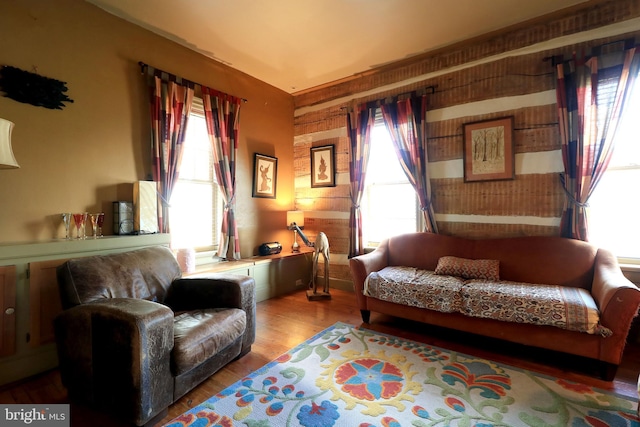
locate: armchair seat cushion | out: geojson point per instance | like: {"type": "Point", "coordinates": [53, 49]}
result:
{"type": "Point", "coordinates": [200, 334]}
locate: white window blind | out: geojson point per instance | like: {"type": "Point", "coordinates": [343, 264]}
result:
{"type": "Point", "coordinates": [389, 203]}
{"type": "Point", "coordinates": [195, 211]}
{"type": "Point", "coordinates": [614, 207]}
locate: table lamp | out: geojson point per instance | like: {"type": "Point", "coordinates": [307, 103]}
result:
{"type": "Point", "coordinates": [295, 222]}
{"type": "Point", "coordinates": [7, 159]}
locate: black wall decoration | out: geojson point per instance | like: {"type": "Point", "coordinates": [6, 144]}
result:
{"type": "Point", "coordinates": [34, 89]}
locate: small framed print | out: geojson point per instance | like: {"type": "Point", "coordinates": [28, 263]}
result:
{"type": "Point", "coordinates": [488, 150]}
{"type": "Point", "coordinates": [323, 173]}
{"type": "Point", "coordinates": [265, 171]}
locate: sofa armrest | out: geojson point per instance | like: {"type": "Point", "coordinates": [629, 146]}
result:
{"type": "Point", "coordinates": [217, 290]}
{"type": "Point", "coordinates": [362, 265]}
{"type": "Point", "coordinates": [616, 296]}
{"type": "Point", "coordinates": [214, 290]}
{"type": "Point", "coordinates": [118, 351]}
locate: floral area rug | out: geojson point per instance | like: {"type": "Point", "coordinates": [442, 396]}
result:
{"type": "Point", "coordinates": [348, 376]}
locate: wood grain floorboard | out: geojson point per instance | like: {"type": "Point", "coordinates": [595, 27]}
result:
{"type": "Point", "coordinates": [286, 321]}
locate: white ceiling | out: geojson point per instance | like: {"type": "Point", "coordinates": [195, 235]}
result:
{"type": "Point", "coordinates": [298, 44]}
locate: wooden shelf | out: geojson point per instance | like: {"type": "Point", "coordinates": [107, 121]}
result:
{"type": "Point", "coordinates": [14, 253]}
{"type": "Point", "coordinates": [220, 266]}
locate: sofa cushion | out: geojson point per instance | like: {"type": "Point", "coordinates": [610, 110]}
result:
{"type": "Point", "coordinates": [414, 287]}
{"type": "Point", "coordinates": [488, 269]}
{"type": "Point", "coordinates": [564, 307]}
{"type": "Point", "coordinates": [200, 334]}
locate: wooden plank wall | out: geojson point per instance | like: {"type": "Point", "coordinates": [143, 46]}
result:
{"type": "Point", "coordinates": [503, 74]}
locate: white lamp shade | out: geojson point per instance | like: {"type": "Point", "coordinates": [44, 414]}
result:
{"type": "Point", "coordinates": [7, 160]}
{"type": "Point", "coordinates": [295, 216]}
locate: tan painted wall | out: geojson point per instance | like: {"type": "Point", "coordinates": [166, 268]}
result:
{"type": "Point", "coordinates": [87, 155]}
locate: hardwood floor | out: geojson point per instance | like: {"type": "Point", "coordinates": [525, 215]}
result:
{"type": "Point", "coordinates": [286, 321]}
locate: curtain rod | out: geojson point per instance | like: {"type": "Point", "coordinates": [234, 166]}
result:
{"type": "Point", "coordinates": [628, 44]}
{"type": "Point", "coordinates": [144, 66]}
{"type": "Point", "coordinates": [426, 90]}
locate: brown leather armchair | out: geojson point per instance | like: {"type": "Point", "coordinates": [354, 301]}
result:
{"type": "Point", "coordinates": [135, 336]}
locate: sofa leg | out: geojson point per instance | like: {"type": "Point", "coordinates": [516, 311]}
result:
{"type": "Point", "coordinates": [366, 315]}
{"type": "Point", "coordinates": [608, 371]}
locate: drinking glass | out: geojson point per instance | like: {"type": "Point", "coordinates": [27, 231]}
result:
{"type": "Point", "coordinates": [100, 222]}
{"type": "Point", "coordinates": [80, 219]}
{"type": "Point", "coordinates": [66, 219]}
{"type": "Point", "coordinates": [94, 224]}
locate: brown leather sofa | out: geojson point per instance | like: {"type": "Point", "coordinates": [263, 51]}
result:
{"type": "Point", "coordinates": [135, 336]}
{"type": "Point", "coordinates": [535, 259]}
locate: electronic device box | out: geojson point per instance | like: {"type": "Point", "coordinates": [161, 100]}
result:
{"type": "Point", "coordinates": [270, 248]}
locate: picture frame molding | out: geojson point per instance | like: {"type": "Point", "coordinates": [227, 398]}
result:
{"type": "Point", "coordinates": [259, 176]}
{"type": "Point", "coordinates": [503, 165]}
{"type": "Point", "coordinates": [329, 166]}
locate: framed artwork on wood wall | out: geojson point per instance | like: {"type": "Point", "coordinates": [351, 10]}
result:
{"type": "Point", "coordinates": [488, 150]}
{"type": "Point", "coordinates": [265, 173]}
{"type": "Point", "coordinates": [323, 170]}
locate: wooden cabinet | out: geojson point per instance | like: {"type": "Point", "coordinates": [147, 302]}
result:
{"type": "Point", "coordinates": [8, 306]}
{"type": "Point", "coordinates": [44, 301]}
{"type": "Point", "coordinates": [274, 274]}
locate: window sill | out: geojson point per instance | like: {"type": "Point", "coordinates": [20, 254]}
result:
{"type": "Point", "coordinates": [207, 257]}
{"type": "Point", "coordinates": [631, 271]}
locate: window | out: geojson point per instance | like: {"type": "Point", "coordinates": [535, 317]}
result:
{"type": "Point", "coordinates": [195, 212]}
{"type": "Point", "coordinates": [614, 205]}
{"type": "Point", "coordinates": [389, 203]}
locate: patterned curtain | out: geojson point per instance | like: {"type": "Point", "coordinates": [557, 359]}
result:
{"type": "Point", "coordinates": [360, 121]}
{"type": "Point", "coordinates": [407, 124]}
{"type": "Point", "coordinates": [171, 100]}
{"type": "Point", "coordinates": [222, 115]}
{"type": "Point", "coordinates": [590, 94]}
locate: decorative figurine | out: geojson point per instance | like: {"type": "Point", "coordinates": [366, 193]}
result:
{"type": "Point", "coordinates": [321, 246]}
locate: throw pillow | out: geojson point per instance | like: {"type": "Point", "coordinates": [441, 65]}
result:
{"type": "Point", "coordinates": [487, 269]}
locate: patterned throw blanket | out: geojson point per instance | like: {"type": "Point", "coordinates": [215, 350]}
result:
{"type": "Point", "coordinates": [560, 306]}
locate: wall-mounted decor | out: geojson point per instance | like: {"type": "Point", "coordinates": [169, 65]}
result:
{"type": "Point", "coordinates": [31, 88]}
{"type": "Point", "coordinates": [323, 171]}
{"type": "Point", "coordinates": [265, 170]}
{"type": "Point", "coordinates": [488, 150]}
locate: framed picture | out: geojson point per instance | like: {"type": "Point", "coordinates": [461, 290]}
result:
{"type": "Point", "coordinates": [488, 150]}
{"type": "Point", "coordinates": [323, 170]}
{"type": "Point", "coordinates": [265, 171]}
